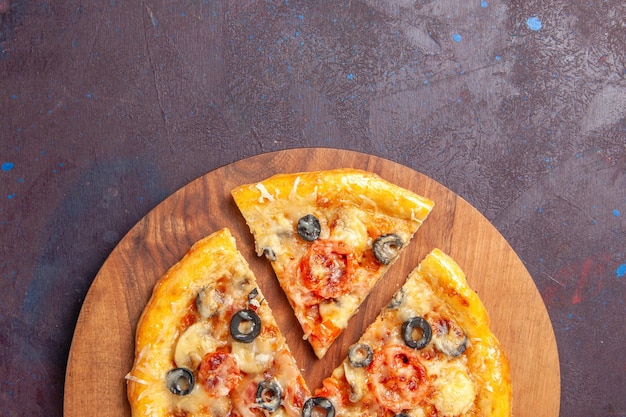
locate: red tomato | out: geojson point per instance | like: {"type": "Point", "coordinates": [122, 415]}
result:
{"type": "Point", "coordinates": [398, 378]}
{"type": "Point", "coordinates": [326, 267]}
{"type": "Point", "coordinates": [219, 373]}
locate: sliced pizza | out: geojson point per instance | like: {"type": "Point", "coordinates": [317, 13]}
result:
{"type": "Point", "coordinates": [430, 352]}
{"type": "Point", "coordinates": [330, 236]}
{"type": "Point", "coordinates": [208, 345]}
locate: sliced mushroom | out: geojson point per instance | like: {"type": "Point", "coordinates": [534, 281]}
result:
{"type": "Point", "coordinates": [386, 247]}
{"type": "Point", "coordinates": [449, 338]}
{"type": "Point", "coordinates": [196, 341]}
{"type": "Point", "coordinates": [208, 302]}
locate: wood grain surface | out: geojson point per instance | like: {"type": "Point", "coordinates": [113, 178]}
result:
{"type": "Point", "coordinates": [103, 345]}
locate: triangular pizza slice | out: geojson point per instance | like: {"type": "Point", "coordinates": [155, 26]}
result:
{"type": "Point", "coordinates": [330, 236]}
{"type": "Point", "coordinates": [430, 352]}
{"type": "Point", "coordinates": [208, 345]}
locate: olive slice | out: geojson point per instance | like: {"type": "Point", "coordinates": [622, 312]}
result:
{"type": "Point", "coordinates": [269, 395]}
{"type": "Point", "coordinates": [408, 332]}
{"type": "Point", "coordinates": [386, 247]}
{"type": "Point", "coordinates": [360, 355]}
{"type": "Point", "coordinates": [318, 402]}
{"type": "Point", "coordinates": [180, 381]}
{"type": "Point", "coordinates": [269, 254]}
{"type": "Point", "coordinates": [309, 228]}
{"type": "Point", "coordinates": [245, 326]}
{"type": "Point", "coordinates": [449, 338]}
{"type": "Point", "coordinates": [397, 299]}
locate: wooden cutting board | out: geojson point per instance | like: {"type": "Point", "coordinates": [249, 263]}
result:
{"type": "Point", "coordinates": [103, 346]}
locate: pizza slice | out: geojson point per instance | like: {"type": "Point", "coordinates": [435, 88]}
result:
{"type": "Point", "coordinates": [330, 236]}
{"type": "Point", "coordinates": [208, 345]}
{"type": "Point", "coordinates": [430, 352]}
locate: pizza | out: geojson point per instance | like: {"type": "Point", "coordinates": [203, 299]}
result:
{"type": "Point", "coordinates": [208, 345]}
{"type": "Point", "coordinates": [330, 236]}
{"type": "Point", "coordinates": [430, 352]}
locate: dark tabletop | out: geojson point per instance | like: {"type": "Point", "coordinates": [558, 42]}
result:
{"type": "Point", "coordinates": [107, 107]}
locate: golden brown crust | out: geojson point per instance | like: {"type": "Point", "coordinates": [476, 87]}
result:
{"type": "Point", "coordinates": [354, 208]}
{"type": "Point", "coordinates": [448, 380]}
{"type": "Point", "coordinates": [178, 329]}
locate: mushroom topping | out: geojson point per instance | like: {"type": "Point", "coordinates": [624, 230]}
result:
{"type": "Point", "coordinates": [269, 395]}
{"type": "Point", "coordinates": [449, 338]}
{"type": "Point", "coordinates": [245, 326]}
{"type": "Point", "coordinates": [309, 228]}
{"type": "Point", "coordinates": [416, 333]}
{"type": "Point", "coordinates": [318, 402]}
{"type": "Point", "coordinates": [386, 247]}
{"type": "Point", "coordinates": [208, 301]}
{"type": "Point", "coordinates": [180, 381]}
{"type": "Point", "coordinates": [360, 355]}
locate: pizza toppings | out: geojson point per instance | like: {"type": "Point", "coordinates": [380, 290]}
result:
{"type": "Point", "coordinates": [269, 394]}
{"type": "Point", "coordinates": [309, 228]}
{"type": "Point", "coordinates": [449, 338]}
{"type": "Point", "coordinates": [180, 381]}
{"type": "Point", "coordinates": [219, 373]}
{"type": "Point", "coordinates": [208, 301]}
{"type": "Point", "coordinates": [416, 333]}
{"type": "Point", "coordinates": [245, 326]}
{"type": "Point", "coordinates": [327, 267]}
{"type": "Point", "coordinates": [387, 247]}
{"type": "Point", "coordinates": [360, 355]}
{"type": "Point", "coordinates": [318, 403]}
{"type": "Point", "coordinates": [398, 378]}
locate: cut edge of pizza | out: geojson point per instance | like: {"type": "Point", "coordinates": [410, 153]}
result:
{"type": "Point", "coordinates": [208, 344]}
{"type": "Point", "coordinates": [429, 352]}
{"type": "Point", "coordinates": [330, 236]}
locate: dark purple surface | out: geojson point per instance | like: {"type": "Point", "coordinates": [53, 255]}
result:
{"type": "Point", "coordinates": [109, 106]}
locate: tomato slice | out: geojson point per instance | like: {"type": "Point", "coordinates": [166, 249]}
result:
{"type": "Point", "coordinates": [219, 373]}
{"type": "Point", "coordinates": [398, 378]}
{"type": "Point", "coordinates": [326, 267]}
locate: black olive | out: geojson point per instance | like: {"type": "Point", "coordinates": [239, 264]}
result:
{"type": "Point", "coordinates": [407, 332]}
{"type": "Point", "coordinates": [360, 355]}
{"type": "Point", "coordinates": [252, 320]}
{"type": "Point", "coordinates": [269, 395]}
{"type": "Point", "coordinates": [180, 381]}
{"type": "Point", "coordinates": [449, 339]}
{"type": "Point", "coordinates": [309, 228]}
{"type": "Point", "coordinates": [318, 402]}
{"type": "Point", "coordinates": [397, 299]}
{"type": "Point", "coordinates": [386, 247]}
{"type": "Point", "coordinates": [269, 254]}
{"type": "Point", "coordinates": [253, 294]}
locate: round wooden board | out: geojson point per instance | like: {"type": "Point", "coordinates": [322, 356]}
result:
{"type": "Point", "coordinates": [103, 346]}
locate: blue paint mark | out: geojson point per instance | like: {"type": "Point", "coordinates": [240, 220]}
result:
{"type": "Point", "coordinates": [498, 58]}
{"type": "Point", "coordinates": [11, 196]}
{"type": "Point", "coordinates": [484, 4]}
{"type": "Point", "coordinates": [88, 95]}
{"type": "Point", "coordinates": [620, 271]}
{"type": "Point", "coordinates": [350, 76]}
{"type": "Point", "coordinates": [457, 38]}
{"type": "Point", "coordinates": [7, 166]}
{"type": "Point", "coordinates": [616, 213]}
{"type": "Point", "coordinates": [14, 96]}
{"type": "Point", "coordinates": [534, 23]}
